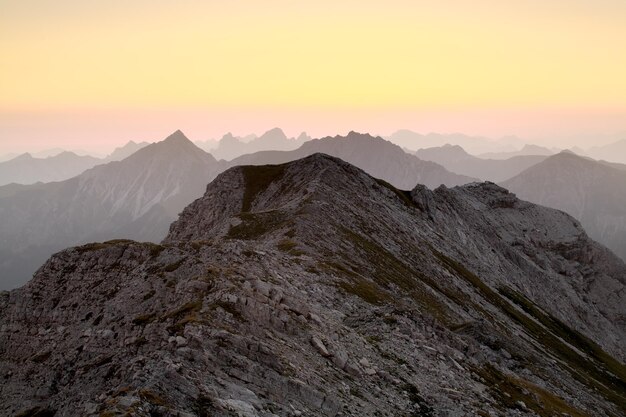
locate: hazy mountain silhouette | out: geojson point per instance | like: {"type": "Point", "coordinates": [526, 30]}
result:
{"type": "Point", "coordinates": [474, 144]}
{"type": "Point", "coordinates": [8, 156]}
{"type": "Point", "coordinates": [125, 151]}
{"type": "Point", "coordinates": [25, 169]}
{"type": "Point", "coordinates": [230, 147]}
{"type": "Point", "coordinates": [28, 169]}
{"type": "Point", "coordinates": [211, 144]}
{"type": "Point", "coordinates": [527, 150]}
{"type": "Point", "coordinates": [313, 289]}
{"type": "Point", "coordinates": [456, 160]}
{"type": "Point", "coordinates": [375, 155]}
{"type": "Point", "coordinates": [136, 198]}
{"type": "Point", "coordinates": [613, 152]}
{"type": "Point", "coordinates": [591, 191]}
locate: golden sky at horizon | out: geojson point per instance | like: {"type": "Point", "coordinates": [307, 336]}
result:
{"type": "Point", "coordinates": [286, 59]}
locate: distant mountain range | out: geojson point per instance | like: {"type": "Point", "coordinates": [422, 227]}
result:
{"type": "Point", "coordinates": [46, 153]}
{"type": "Point", "coordinates": [614, 152]}
{"type": "Point", "coordinates": [28, 169]}
{"type": "Point", "coordinates": [374, 155]}
{"type": "Point", "coordinates": [502, 148]}
{"type": "Point", "coordinates": [525, 151]}
{"type": "Point", "coordinates": [455, 159]}
{"type": "Point", "coordinates": [230, 147]}
{"type": "Point", "coordinates": [591, 191]}
{"type": "Point", "coordinates": [25, 169]}
{"type": "Point", "coordinates": [413, 141]}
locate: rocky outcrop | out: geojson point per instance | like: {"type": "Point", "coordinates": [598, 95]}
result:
{"type": "Point", "coordinates": [311, 288]}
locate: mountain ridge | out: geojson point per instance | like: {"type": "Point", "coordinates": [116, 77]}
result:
{"type": "Point", "coordinates": [264, 300]}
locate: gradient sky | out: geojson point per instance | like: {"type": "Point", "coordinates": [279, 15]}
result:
{"type": "Point", "coordinates": [89, 74]}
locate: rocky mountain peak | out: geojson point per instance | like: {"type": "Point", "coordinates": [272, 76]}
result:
{"type": "Point", "coordinates": [245, 190]}
{"type": "Point", "coordinates": [170, 151]}
{"type": "Point", "coordinates": [352, 135]}
{"type": "Point", "coordinates": [125, 151]}
{"type": "Point", "coordinates": [303, 137]}
{"type": "Point", "coordinates": [275, 134]}
{"type": "Point", "coordinates": [23, 157]}
{"type": "Point", "coordinates": [228, 137]}
{"type": "Point", "coordinates": [312, 288]}
{"type": "Point", "coordinates": [178, 137]}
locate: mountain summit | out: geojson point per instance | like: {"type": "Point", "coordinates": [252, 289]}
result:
{"type": "Point", "coordinates": [312, 288]}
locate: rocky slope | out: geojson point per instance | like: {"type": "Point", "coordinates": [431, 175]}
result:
{"type": "Point", "coordinates": [591, 191]}
{"type": "Point", "coordinates": [311, 288]}
{"type": "Point", "coordinates": [135, 198]}
{"type": "Point", "coordinates": [374, 155]}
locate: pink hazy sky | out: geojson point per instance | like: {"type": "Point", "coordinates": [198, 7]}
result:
{"type": "Point", "coordinates": [93, 75]}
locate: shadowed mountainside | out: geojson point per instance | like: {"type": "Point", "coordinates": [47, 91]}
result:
{"type": "Point", "coordinates": [593, 192]}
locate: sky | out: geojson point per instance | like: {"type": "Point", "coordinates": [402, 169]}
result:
{"type": "Point", "coordinates": [89, 74]}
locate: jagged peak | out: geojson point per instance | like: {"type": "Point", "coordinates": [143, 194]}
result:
{"type": "Point", "coordinates": [485, 187]}
{"type": "Point", "coordinates": [353, 136]}
{"type": "Point", "coordinates": [570, 157]}
{"type": "Point", "coordinates": [24, 156]}
{"type": "Point", "coordinates": [274, 133]}
{"type": "Point", "coordinates": [175, 144]}
{"type": "Point", "coordinates": [65, 154]}
{"type": "Point", "coordinates": [177, 136]}
{"type": "Point", "coordinates": [176, 140]}
{"type": "Point", "coordinates": [303, 137]}
{"type": "Point", "coordinates": [229, 136]}
{"type": "Point", "coordinates": [358, 135]}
